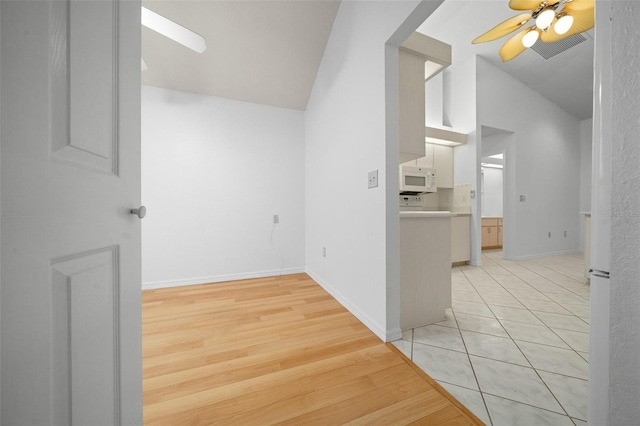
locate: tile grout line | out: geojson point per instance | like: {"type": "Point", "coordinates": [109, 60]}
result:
{"type": "Point", "coordinates": [518, 346]}
{"type": "Point", "coordinates": [493, 272]}
{"type": "Point", "coordinates": [520, 349]}
{"type": "Point", "coordinates": [473, 370]}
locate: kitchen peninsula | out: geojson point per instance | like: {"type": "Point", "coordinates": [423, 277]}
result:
{"type": "Point", "coordinates": [425, 267]}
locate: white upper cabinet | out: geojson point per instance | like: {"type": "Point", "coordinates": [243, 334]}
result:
{"type": "Point", "coordinates": [443, 163]}
{"type": "Point", "coordinates": [439, 157]}
{"type": "Point", "coordinates": [419, 58]}
{"type": "Point", "coordinates": [428, 159]}
{"type": "Point", "coordinates": [411, 67]}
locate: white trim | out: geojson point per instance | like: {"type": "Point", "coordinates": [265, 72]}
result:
{"type": "Point", "coordinates": [392, 335]}
{"type": "Point", "coordinates": [221, 278]}
{"type": "Point", "coordinates": [364, 318]}
{"type": "Point", "coordinates": [539, 255]}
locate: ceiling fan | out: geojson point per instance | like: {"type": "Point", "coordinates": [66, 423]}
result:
{"type": "Point", "coordinates": [554, 20]}
{"type": "Point", "coordinates": [172, 30]}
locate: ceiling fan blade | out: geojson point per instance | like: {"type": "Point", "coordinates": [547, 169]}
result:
{"type": "Point", "coordinates": [513, 47]}
{"type": "Point", "coordinates": [172, 30]}
{"type": "Point", "coordinates": [504, 28]}
{"type": "Point", "coordinates": [578, 5]}
{"type": "Point", "coordinates": [524, 4]}
{"type": "Point", "coordinates": [583, 20]}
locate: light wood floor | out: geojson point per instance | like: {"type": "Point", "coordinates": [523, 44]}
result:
{"type": "Point", "coordinates": [277, 351]}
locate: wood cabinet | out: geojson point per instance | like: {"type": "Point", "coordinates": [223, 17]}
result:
{"type": "Point", "coordinates": [491, 232]}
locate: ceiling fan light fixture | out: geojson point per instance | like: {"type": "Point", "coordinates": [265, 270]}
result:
{"type": "Point", "coordinates": [564, 23]}
{"type": "Point", "coordinates": [530, 38]}
{"type": "Point", "coordinates": [545, 18]}
{"type": "Point", "coordinates": [175, 32]}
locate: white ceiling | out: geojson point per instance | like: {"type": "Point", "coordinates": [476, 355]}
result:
{"type": "Point", "coordinates": [565, 79]}
{"type": "Point", "coordinates": [259, 51]}
{"type": "Point", "coordinates": [268, 51]}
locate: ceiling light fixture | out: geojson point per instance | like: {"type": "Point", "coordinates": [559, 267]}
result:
{"type": "Point", "coordinates": [573, 17]}
{"type": "Point", "coordinates": [545, 18]}
{"type": "Point", "coordinates": [175, 32]}
{"type": "Point", "coordinates": [530, 37]}
{"type": "Point", "coordinates": [563, 24]}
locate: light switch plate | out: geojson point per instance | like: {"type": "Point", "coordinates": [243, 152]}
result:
{"type": "Point", "coordinates": [373, 179]}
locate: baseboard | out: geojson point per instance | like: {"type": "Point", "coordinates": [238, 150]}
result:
{"type": "Point", "coordinates": [395, 334]}
{"type": "Point", "coordinates": [539, 255]}
{"type": "Point", "coordinates": [220, 278]}
{"type": "Point", "coordinates": [364, 318]}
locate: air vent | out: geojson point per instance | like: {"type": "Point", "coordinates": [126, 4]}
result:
{"type": "Point", "coordinates": [549, 50]}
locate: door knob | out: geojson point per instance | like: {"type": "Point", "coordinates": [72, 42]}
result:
{"type": "Point", "coordinates": [140, 211]}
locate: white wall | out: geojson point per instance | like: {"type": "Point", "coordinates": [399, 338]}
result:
{"type": "Point", "coordinates": [492, 192]}
{"type": "Point", "coordinates": [547, 163]}
{"type": "Point", "coordinates": [214, 172]}
{"type": "Point", "coordinates": [624, 348]}
{"type": "Point", "coordinates": [460, 110]}
{"type": "Point", "coordinates": [346, 137]}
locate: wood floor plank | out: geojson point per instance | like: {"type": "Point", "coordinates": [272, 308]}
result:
{"type": "Point", "coordinates": [294, 379]}
{"type": "Point", "coordinates": [276, 350]}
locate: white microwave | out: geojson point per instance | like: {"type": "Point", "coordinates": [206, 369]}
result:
{"type": "Point", "coordinates": [416, 180]}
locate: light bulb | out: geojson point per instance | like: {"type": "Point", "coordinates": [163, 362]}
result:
{"type": "Point", "coordinates": [530, 38]}
{"type": "Point", "coordinates": [545, 18]}
{"type": "Point", "coordinates": [564, 23]}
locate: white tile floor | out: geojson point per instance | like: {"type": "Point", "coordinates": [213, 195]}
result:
{"type": "Point", "coordinates": [514, 347]}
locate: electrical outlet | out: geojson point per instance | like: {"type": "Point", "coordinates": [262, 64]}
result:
{"type": "Point", "coordinates": [276, 218]}
{"type": "Point", "coordinates": [324, 252]}
{"type": "Point", "coordinates": [549, 234]}
{"type": "Point", "coordinates": [373, 179]}
{"type": "Point", "coordinates": [522, 199]}
{"type": "Point", "coordinates": [565, 234]}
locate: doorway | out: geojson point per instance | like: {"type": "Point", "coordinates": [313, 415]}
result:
{"type": "Point", "coordinates": [497, 188]}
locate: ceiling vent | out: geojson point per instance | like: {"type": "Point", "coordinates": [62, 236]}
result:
{"type": "Point", "coordinates": [549, 50]}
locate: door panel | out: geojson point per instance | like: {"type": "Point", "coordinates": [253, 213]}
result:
{"type": "Point", "coordinates": [70, 164]}
{"type": "Point", "coordinates": [85, 289]}
{"type": "Point", "coordinates": [85, 95]}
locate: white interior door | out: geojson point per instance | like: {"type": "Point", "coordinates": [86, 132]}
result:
{"type": "Point", "coordinates": [70, 347]}
{"type": "Point", "coordinates": [599, 332]}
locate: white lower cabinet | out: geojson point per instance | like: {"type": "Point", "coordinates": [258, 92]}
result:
{"type": "Point", "coordinates": [425, 270]}
{"type": "Point", "coordinates": [460, 239]}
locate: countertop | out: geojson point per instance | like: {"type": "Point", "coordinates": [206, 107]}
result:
{"type": "Point", "coordinates": [431, 214]}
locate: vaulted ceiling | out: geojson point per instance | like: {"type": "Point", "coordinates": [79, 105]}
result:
{"type": "Point", "coordinates": [269, 51]}
{"type": "Point", "coordinates": [264, 51]}
{"type": "Point", "coordinates": [565, 79]}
